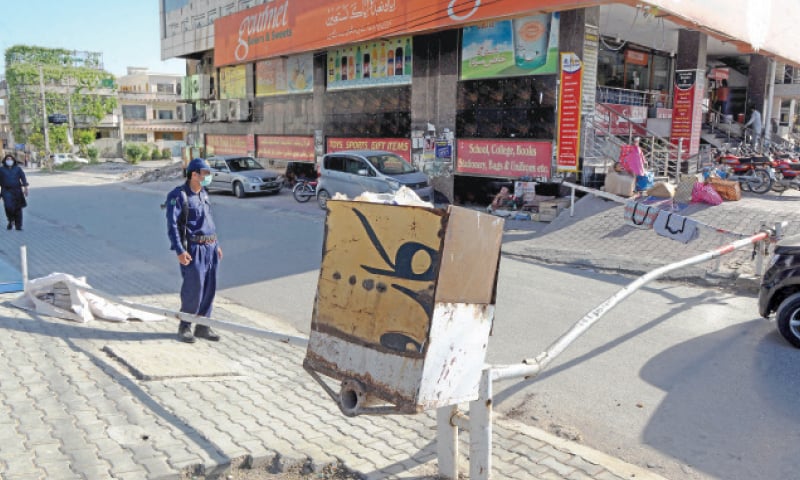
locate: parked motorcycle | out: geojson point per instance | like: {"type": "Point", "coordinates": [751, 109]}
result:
{"type": "Point", "coordinates": [787, 172]}
{"type": "Point", "coordinates": [753, 172]}
{"type": "Point", "coordinates": [304, 189]}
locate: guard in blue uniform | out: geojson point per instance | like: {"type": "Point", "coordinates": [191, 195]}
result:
{"type": "Point", "coordinates": [193, 237]}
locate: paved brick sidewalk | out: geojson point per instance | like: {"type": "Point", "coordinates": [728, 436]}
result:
{"type": "Point", "coordinates": [73, 410]}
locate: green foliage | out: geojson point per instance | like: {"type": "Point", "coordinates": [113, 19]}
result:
{"type": "Point", "coordinates": [78, 71]}
{"type": "Point", "coordinates": [83, 138]}
{"type": "Point", "coordinates": [166, 153]}
{"type": "Point", "coordinates": [58, 138]}
{"type": "Point", "coordinates": [92, 152]}
{"type": "Point", "coordinates": [134, 152]}
{"type": "Point", "coordinates": [147, 153]}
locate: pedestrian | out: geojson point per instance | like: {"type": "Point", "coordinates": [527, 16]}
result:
{"type": "Point", "coordinates": [755, 121]}
{"type": "Point", "coordinates": [14, 190]}
{"type": "Point", "coordinates": [193, 237]}
{"type": "Point", "coordinates": [723, 95]}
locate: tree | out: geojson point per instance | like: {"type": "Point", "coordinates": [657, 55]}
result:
{"type": "Point", "coordinates": [84, 138]}
{"type": "Point", "coordinates": [70, 78]}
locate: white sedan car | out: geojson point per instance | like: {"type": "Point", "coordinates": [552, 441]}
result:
{"type": "Point", "coordinates": [59, 158]}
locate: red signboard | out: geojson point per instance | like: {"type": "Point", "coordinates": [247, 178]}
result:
{"type": "Point", "coordinates": [230, 144]}
{"type": "Point", "coordinates": [500, 158]}
{"type": "Point", "coordinates": [636, 57]}
{"type": "Point", "coordinates": [400, 146]}
{"type": "Point", "coordinates": [294, 149]}
{"type": "Point", "coordinates": [687, 116]}
{"type": "Point", "coordinates": [569, 113]}
{"type": "Point", "coordinates": [282, 27]}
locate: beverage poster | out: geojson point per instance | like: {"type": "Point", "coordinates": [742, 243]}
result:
{"type": "Point", "coordinates": [511, 48]}
{"type": "Point", "coordinates": [282, 76]}
{"type": "Point", "coordinates": [377, 63]}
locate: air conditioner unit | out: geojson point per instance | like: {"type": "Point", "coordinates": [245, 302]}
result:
{"type": "Point", "coordinates": [196, 87]}
{"type": "Point", "coordinates": [238, 110]}
{"type": "Point", "coordinates": [214, 113]}
{"type": "Point", "coordinates": [185, 112]}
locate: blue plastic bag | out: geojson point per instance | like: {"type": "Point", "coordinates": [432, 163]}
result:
{"type": "Point", "coordinates": [644, 182]}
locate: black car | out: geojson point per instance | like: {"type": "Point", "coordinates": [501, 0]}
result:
{"type": "Point", "coordinates": [780, 289]}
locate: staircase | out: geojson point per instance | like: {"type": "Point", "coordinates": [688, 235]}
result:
{"type": "Point", "coordinates": [601, 147]}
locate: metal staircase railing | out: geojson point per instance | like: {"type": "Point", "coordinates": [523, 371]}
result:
{"type": "Point", "coordinates": [602, 142]}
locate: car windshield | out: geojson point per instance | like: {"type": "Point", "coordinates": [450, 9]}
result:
{"type": "Point", "coordinates": [242, 164]}
{"type": "Point", "coordinates": [390, 164]}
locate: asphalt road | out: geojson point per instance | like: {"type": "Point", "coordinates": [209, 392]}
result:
{"type": "Point", "coordinates": [686, 381]}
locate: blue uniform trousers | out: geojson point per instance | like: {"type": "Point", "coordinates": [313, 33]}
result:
{"type": "Point", "coordinates": [199, 280]}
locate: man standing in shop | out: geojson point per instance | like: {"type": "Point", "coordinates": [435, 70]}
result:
{"type": "Point", "coordinates": [755, 121]}
{"type": "Point", "coordinates": [193, 237]}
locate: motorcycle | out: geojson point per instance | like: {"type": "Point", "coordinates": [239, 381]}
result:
{"type": "Point", "coordinates": [787, 172]}
{"type": "Point", "coordinates": [304, 189]}
{"type": "Point", "coordinates": [753, 172]}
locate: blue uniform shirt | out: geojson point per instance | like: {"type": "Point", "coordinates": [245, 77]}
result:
{"type": "Point", "coordinates": [199, 221]}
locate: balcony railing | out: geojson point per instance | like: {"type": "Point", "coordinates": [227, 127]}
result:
{"type": "Point", "coordinates": [624, 96]}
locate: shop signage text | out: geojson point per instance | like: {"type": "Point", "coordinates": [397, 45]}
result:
{"type": "Point", "coordinates": [569, 113]}
{"type": "Point", "coordinates": [499, 158]}
{"type": "Point", "coordinates": [295, 149]}
{"type": "Point", "coordinates": [400, 146]}
{"type": "Point", "coordinates": [230, 144]}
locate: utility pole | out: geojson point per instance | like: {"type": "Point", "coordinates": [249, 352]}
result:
{"type": "Point", "coordinates": [70, 138]}
{"type": "Point", "coordinates": [44, 118]}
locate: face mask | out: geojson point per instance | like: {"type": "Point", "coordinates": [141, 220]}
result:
{"type": "Point", "coordinates": [206, 181]}
{"type": "Point", "coordinates": [9, 162]}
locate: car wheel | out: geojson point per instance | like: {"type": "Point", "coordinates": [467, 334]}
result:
{"type": "Point", "coordinates": [238, 190]}
{"type": "Point", "coordinates": [322, 199]}
{"type": "Point", "coordinates": [788, 317]}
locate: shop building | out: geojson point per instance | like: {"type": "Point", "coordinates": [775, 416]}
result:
{"type": "Point", "coordinates": [474, 94]}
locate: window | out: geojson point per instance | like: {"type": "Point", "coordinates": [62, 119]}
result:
{"type": "Point", "coordinates": [165, 114]}
{"type": "Point", "coordinates": [356, 164]}
{"type": "Point", "coordinates": [135, 137]}
{"type": "Point", "coordinates": [335, 163]}
{"type": "Point", "coordinates": [165, 88]}
{"type": "Point", "coordinates": [134, 112]}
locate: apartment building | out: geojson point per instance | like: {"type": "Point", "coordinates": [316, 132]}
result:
{"type": "Point", "coordinates": [151, 108]}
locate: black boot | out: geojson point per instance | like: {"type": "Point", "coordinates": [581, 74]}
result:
{"type": "Point", "coordinates": [202, 331]}
{"type": "Point", "coordinates": [185, 332]}
{"type": "Point", "coordinates": [10, 224]}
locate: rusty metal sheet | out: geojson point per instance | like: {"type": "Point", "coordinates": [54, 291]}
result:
{"type": "Point", "coordinates": [378, 274]}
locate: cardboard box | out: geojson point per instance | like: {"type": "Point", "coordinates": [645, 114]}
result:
{"type": "Point", "coordinates": [620, 184]}
{"type": "Point", "coordinates": [550, 209]}
{"type": "Point", "coordinates": [404, 304]}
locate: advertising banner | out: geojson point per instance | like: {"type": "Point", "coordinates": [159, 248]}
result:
{"type": "Point", "coordinates": [382, 62]}
{"type": "Point", "coordinates": [687, 114]}
{"type": "Point", "coordinates": [569, 114]}
{"type": "Point", "coordinates": [284, 27]}
{"type": "Point", "coordinates": [233, 82]}
{"type": "Point", "coordinates": [229, 144]}
{"type": "Point", "coordinates": [400, 146]}
{"type": "Point", "coordinates": [510, 48]}
{"type": "Point", "coordinates": [294, 149]}
{"type": "Point", "coordinates": [282, 76]}
{"type": "Point", "coordinates": [500, 158]}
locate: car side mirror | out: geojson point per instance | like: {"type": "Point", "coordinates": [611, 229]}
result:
{"type": "Point", "coordinates": [363, 172]}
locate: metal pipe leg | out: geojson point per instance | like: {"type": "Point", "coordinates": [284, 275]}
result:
{"type": "Point", "coordinates": [480, 431]}
{"type": "Point", "coordinates": [447, 442]}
